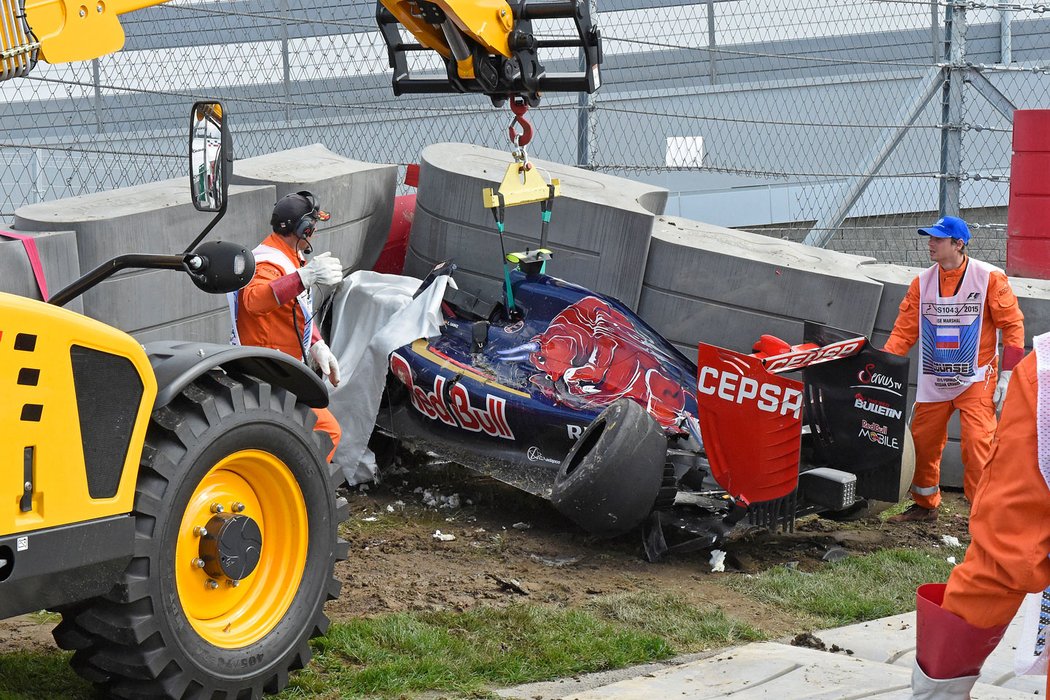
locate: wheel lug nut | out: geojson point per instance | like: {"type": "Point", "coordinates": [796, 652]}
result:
{"type": "Point", "coordinates": [212, 584]}
{"type": "Point", "coordinates": [237, 507]}
{"type": "Point", "coordinates": [199, 563]}
{"type": "Point", "coordinates": [200, 531]}
{"type": "Point", "coordinates": [233, 583]}
{"type": "Point", "coordinates": [217, 508]}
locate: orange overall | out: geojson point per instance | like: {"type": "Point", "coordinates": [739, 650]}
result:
{"type": "Point", "coordinates": [269, 316]}
{"type": "Point", "coordinates": [1010, 519]}
{"type": "Point", "coordinates": [929, 423]}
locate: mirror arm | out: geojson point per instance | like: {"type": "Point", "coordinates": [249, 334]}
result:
{"type": "Point", "coordinates": [209, 227]}
{"type": "Point", "coordinates": [122, 262]}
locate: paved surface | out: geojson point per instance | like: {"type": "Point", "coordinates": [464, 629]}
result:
{"type": "Point", "coordinates": [879, 667]}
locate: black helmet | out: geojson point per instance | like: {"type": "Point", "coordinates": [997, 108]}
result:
{"type": "Point", "coordinates": [297, 214]}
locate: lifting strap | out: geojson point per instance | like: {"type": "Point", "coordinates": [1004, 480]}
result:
{"type": "Point", "coordinates": [29, 243]}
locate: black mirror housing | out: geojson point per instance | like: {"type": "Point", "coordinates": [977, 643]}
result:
{"type": "Point", "coordinates": [218, 267]}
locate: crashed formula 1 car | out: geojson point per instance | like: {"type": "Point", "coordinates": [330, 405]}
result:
{"type": "Point", "coordinates": [569, 395]}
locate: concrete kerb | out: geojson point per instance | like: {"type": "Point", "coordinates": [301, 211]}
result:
{"type": "Point", "coordinates": [875, 661]}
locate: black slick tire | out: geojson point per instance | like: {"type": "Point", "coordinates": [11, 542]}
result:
{"type": "Point", "coordinates": [611, 478]}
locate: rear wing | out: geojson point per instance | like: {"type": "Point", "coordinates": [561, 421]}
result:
{"type": "Point", "coordinates": [853, 397]}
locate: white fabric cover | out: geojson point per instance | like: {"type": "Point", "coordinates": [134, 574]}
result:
{"type": "Point", "coordinates": [373, 315]}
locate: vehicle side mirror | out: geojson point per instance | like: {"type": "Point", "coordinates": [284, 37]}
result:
{"type": "Point", "coordinates": [218, 267]}
{"type": "Point", "coordinates": [211, 156]}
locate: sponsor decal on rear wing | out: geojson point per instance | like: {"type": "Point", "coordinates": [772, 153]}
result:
{"type": "Point", "coordinates": [806, 354]}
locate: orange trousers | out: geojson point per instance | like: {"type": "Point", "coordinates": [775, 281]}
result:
{"type": "Point", "coordinates": [327, 423]}
{"type": "Point", "coordinates": [929, 431]}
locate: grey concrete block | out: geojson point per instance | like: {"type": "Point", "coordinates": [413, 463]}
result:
{"type": "Point", "coordinates": [728, 287]}
{"type": "Point", "coordinates": [358, 195]}
{"type": "Point", "coordinates": [58, 257]}
{"type": "Point", "coordinates": [599, 231]}
{"type": "Point", "coordinates": [152, 218]}
{"type": "Point", "coordinates": [209, 327]}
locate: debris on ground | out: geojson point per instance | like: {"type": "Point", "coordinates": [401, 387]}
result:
{"type": "Point", "coordinates": [443, 536]}
{"type": "Point", "coordinates": [951, 540]}
{"type": "Point", "coordinates": [834, 554]}
{"type": "Point", "coordinates": [522, 526]}
{"type": "Point", "coordinates": [717, 561]}
{"type": "Point", "coordinates": [811, 641]}
{"type": "Point", "coordinates": [509, 584]}
{"type": "Point", "coordinates": [556, 562]}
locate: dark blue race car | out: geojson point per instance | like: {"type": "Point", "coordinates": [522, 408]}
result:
{"type": "Point", "coordinates": [569, 395]}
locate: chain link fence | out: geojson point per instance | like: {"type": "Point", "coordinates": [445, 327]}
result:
{"type": "Point", "coordinates": [820, 120]}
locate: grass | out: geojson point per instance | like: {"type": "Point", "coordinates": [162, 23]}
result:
{"type": "Point", "coordinates": [852, 590]}
{"type": "Point", "coordinates": [465, 653]}
{"type": "Point", "coordinates": [40, 676]}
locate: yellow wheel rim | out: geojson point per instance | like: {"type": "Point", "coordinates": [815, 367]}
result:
{"type": "Point", "coordinates": [259, 486]}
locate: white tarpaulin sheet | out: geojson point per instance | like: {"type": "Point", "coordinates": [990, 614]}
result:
{"type": "Point", "coordinates": [372, 315]}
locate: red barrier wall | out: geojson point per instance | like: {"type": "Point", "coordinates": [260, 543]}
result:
{"type": "Point", "coordinates": [1028, 218]}
{"type": "Point", "coordinates": [392, 259]}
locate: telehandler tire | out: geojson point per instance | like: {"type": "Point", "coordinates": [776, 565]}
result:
{"type": "Point", "coordinates": [236, 519]}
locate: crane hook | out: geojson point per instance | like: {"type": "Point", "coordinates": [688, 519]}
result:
{"type": "Point", "coordinates": [518, 106]}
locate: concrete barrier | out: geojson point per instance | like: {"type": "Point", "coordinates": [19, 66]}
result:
{"type": "Point", "coordinates": [153, 218]}
{"type": "Point", "coordinates": [58, 257]}
{"type": "Point", "coordinates": [600, 225]}
{"type": "Point", "coordinates": [727, 287]}
{"type": "Point", "coordinates": [159, 218]}
{"type": "Point", "coordinates": [358, 195]}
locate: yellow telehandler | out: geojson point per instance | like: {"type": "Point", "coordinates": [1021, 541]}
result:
{"type": "Point", "coordinates": [172, 501]}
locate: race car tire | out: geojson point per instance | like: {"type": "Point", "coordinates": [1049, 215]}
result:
{"type": "Point", "coordinates": [231, 472]}
{"type": "Point", "coordinates": [609, 482]}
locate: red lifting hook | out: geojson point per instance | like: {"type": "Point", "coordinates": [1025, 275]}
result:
{"type": "Point", "coordinates": [519, 107]}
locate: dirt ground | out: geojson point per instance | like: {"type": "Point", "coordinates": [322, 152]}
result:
{"type": "Point", "coordinates": [509, 547]}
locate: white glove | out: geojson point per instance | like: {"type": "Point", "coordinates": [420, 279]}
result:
{"type": "Point", "coordinates": [323, 268]}
{"type": "Point", "coordinates": [1000, 389]}
{"type": "Point", "coordinates": [323, 359]}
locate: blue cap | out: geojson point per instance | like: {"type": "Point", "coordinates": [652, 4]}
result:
{"type": "Point", "coordinates": [948, 227]}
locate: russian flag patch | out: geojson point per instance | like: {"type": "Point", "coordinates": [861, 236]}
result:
{"type": "Point", "coordinates": [947, 338]}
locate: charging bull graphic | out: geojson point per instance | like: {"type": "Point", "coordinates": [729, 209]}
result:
{"type": "Point", "coordinates": [594, 355]}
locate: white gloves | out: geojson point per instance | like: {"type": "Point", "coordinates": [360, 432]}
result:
{"type": "Point", "coordinates": [323, 359]}
{"type": "Point", "coordinates": [323, 268]}
{"type": "Point", "coordinates": [1000, 389]}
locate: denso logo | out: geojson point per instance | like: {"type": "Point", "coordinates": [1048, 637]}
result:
{"type": "Point", "coordinates": [804, 358]}
{"type": "Point", "coordinates": [457, 412]}
{"type": "Point", "coordinates": [737, 389]}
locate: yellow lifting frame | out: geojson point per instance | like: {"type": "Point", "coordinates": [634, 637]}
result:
{"type": "Point", "coordinates": [522, 184]}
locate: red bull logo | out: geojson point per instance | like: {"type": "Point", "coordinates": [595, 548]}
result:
{"type": "Point", "coordinates": [457, 411]}
{"type": "Point", "coordinates": [595, 355]}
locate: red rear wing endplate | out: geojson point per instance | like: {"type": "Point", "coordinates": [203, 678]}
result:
{"type": "Point", "coordinates": [751, 424]}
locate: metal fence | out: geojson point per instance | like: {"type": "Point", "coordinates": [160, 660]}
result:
{"type": "Point", "coordinates": [813, 118]}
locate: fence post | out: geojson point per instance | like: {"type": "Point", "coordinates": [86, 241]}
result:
{"type": "Point", "coordinates": [96, 78]}
{"type": "Point", "coordinates": [712, 62]}
{"type": "Point", "coordinates": [586, 103]}
{"type": "Point", "coordinates": [951, 108]}
{"type": "Point", "coordinates": [287, 66]}
{"type": "Point", "coordinates": [1005, 37]}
